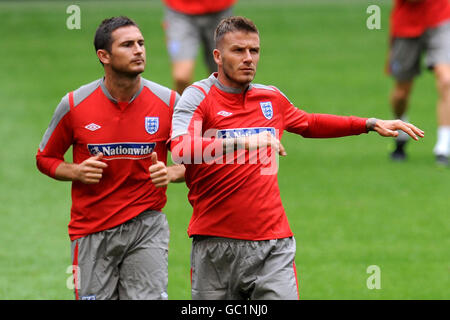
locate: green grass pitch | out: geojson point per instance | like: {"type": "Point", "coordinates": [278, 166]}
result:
{"type": "Point", "coordinates": [349, 206]}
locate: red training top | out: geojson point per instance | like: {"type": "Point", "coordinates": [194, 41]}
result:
{"type": "Point", "coordinates": [236, 195]}
{"type": "Point", "coordinates": [411, 18]}
{"type": "Point", "coordinates": [199, 6]}
{"type": "Point", "coordinates": [92, 121]}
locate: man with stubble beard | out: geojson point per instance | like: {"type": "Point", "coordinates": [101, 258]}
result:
{"type": "Point", "coordinates": [243, 247]}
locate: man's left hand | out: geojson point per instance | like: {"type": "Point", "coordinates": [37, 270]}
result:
{"type": "Point", "coordinates": [388, 128]}
{"type": "Point", "coordinates": [158, 172]}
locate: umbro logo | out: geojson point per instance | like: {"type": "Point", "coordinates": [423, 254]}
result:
{"type": "Point", "coordinates": [92, 126]}
{"type": "Point", "coordinates": [224, 113]}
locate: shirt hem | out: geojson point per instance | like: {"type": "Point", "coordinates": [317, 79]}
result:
{"type": "Point", "coordinates": [242, 237]}
{"type": "Point", "coordinates": [74, 236]}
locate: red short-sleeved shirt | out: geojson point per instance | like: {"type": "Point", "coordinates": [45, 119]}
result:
{"type": "Point", "coordinates": [91, 121]}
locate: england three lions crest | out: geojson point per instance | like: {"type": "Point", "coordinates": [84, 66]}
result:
{"type": "Point", "coordinates": [267, 109]}
{"type": "Point", "coordinates": [151, 124]}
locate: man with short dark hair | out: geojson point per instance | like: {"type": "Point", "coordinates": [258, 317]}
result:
{"type": "Point", "coordinates": [243, 247]}
{"type": "Point", "coordinates": [118, 126]}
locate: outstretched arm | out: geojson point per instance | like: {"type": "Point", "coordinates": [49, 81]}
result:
{"type": "Point", "coordinates": [315, 125]}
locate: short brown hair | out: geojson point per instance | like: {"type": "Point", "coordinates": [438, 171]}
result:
{"type": "Point", "coordinates": [102, 39]}
{"type": "Point", "coordinates": [232, 24]}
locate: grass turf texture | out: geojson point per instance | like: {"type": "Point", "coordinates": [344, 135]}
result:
{"type": "Point", "coordinates": [349, 206]}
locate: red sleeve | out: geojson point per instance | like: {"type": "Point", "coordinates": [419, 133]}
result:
{"type": "Point", "coordinates": [194, 145]}
{"type": "Point", "coordinates": [315, 125]}
{"type": "Point", "coordinates": [331, 126]}
{"type": "Point", "coordinates": [190, 144]}
{"type": "Point", "coordinates": [57, 139]}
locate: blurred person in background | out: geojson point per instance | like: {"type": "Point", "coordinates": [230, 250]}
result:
{"type": "Point", "coordinates": [189, 24]}
{"type": "Point", "coordinates": [420, 27]}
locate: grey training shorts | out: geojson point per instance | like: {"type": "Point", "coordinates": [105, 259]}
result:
{"type": "Point", "coordinates": [127, 262]}
{"type": "Point", "coordinates": [185, 33]}
{"type": "Point", "coordinates": [230, 269]}
{"type": "Point", "coordinates": [406, 53]}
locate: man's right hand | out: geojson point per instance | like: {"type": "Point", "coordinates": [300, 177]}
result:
{"type": "Point", "coordinates": [262, 140]}
{"type": "Point", "coordinates": [90, 171]}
